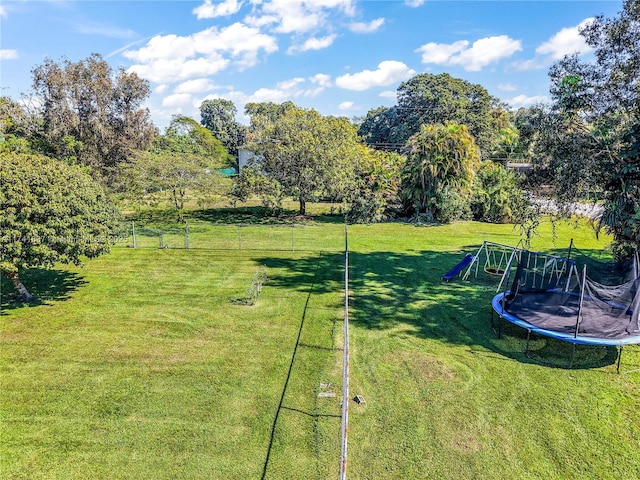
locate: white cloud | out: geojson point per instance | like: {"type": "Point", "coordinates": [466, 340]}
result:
{"type": "Point", "coordinates": [173, 70]}
{"type": "Point", "coordinates": [161, 89]}
{"type": "Point", "coordinates": [531, 64]}
{"type": "Point", "coordinates": [283, 91]}
{"type": "Point", "coordinates": [295, 16]}
{"type": "Point", "coordinates": [321, 79]}
{"type": "Point", "coordinates": [474, 58]}
{"type": "Point", "coordinates": [345, 106]}
{"type": "Point", "coordinates": [221, 9]}
{"type": "Point", "coordinates": [169, 58]}
{"type": "Point", "coordinates": [163, 47]}
{"type": "Point", "coordinates": [313, 44]}
{"type": "Point", "coordinates": [372, 26]}
{"type": "Point", "coordinates": [525, 101]}
{"type": "Point", "coordinates": [414, 3]}
{"type": "Point", "coordinates": [390, 95]}
{"type": "Point", "coordinates": [8, 54]}
{"type": "Point", "coordinates": [3, 11]}
{"type": "Point", "coordinates": [441, 53]}
{"type": "Point", "coordinates": [567, 41]}
{"type": "Point", "coordinates": [388, 72]}
{"type": "Point", "coordinates": [198, 85]}
{"type": "Point", "coordinates": [178, 100]}
{"type": "Point", "coordinates": [507, 87]}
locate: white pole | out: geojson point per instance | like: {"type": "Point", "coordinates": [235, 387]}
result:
{"type": "Point", "coordinates": [345, 361]}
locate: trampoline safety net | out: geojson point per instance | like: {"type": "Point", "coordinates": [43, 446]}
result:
{"type": "Point", "coordinates": [561, 296]}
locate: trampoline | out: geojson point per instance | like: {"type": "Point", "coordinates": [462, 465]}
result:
{"type": "Point", "coordinates": [564, 303]}
{"type": "Point", "coordinates": [554, 314]}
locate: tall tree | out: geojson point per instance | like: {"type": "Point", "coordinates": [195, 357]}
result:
{"type": "Point", "coordinates": [440, 168]}
{"type": "Point", "coordinates": [376, 127]}
{"type": "Point", "coordinates": [308, 155]}
{"type": "Point", "coordinates": [51, 213]}
{"type": "Point", "coordinates": [598, 104]}
{"type": "Point", "coordinates": [219, 116]}
{"type": "Point", "coordinates": [428, 99]}
{"type": "Point", "coordinates": [183, 160]}
{"type": "Point", "coordinates": [616, 78]}
{"type": "Point", "coordinates": [96, 110]}
{"type": "Point", "coordinates": [270, 110]}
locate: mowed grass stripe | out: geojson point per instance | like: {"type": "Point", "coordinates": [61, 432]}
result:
{"type": "Point", "coordinates": [148, 367]}
{"type": "Point", "coordinates": [138, 366]}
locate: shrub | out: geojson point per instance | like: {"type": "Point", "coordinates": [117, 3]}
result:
{"type": "Point", "coordinates": [497, 196]}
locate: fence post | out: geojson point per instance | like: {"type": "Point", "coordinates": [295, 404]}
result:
{"type": "Point", "coordinates": [345, 362]}
{"type": "Point", "coordinates": [133, 232]}
{"type": "Point", "coordinates": [239, 239]}
{"type": "Point", "coordinates": [292, 240]}
{"type": "Point", "coordinates": [160, 236]}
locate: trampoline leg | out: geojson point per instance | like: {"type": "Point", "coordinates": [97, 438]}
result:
{"type": "Point", "coordinates": [526, 351]}
{"type": "Point", "coordinates": [573, 355]}
{"type": "Point", "coordinates": [497, 331]}
{"type": "Point", "coordinates": [619, 359]}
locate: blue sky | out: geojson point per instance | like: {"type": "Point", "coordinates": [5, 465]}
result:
{"type": "Point", "coordinates": [341, 57]}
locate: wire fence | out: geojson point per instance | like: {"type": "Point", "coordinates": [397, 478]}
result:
{"type": "Point", "coordinates": [203, 235]}
{"type": "Point", "coordinates": [305, 438]}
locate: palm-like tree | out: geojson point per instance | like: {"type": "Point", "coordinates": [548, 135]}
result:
{"type": "Point", "coordinates": [440, 157]}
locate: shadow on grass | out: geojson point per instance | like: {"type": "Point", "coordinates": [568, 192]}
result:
{"type": "Point", "coordinates": [44, 285]}
{"type": "Point", "coordinates": [391, 290]}
{"type": "Point", "coordinates": [252, 215]}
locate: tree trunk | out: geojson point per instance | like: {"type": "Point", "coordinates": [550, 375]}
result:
{"type": "Point", "coordinates": [303, 206]}
{"type": "Point", "coordinates": [25, 296]}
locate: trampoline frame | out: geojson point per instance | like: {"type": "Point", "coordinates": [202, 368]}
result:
{"type": "Point", "coordinates": [572, 338]}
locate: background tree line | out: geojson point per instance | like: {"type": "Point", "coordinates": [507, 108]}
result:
{"type": "Point", "coordinates": [438, 155]}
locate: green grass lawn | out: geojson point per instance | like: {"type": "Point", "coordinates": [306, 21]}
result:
{"type": "Point", "coordinates": [140, 364]}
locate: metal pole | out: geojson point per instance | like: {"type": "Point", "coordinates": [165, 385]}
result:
{"type": "Point", "coordinates": [345, 361]}
{"type": "Point", "coordinates": [292, 242]}
{"type": "Point", "coordinates": [239, 239]}
{"type": "Point", "coordinates": [570, 248]}
{"type": "Point", "coordinates": [133, 230]}
{"type": "Point", "coordinates": [584, 281]}
{"type": "Point", "coordinates": [619, 360]}
{"type": "Point", "coordinates": [186, 235]}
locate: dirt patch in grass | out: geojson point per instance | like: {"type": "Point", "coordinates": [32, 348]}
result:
{"type": "Point", "coordinates": [465, 442]}
{"type": "Point", "coordinates": [420, 366]}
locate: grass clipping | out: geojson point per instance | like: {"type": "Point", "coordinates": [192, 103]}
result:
{"type": "Point", "coordinates": [253, 293]}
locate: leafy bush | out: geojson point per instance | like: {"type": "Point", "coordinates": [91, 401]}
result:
{"type": "Point", "coordinates": [497, 196]}
{"type": "Point", "coordinates": [252, 181]}
{"type": "Point", "coordinates": [376, 198]}
{"type": "Point", "coordinates": [451, 205]}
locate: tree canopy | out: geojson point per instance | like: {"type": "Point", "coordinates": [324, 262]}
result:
{"type": "Point", "coordinates": [51, 213]}
{"type": "Point", "coordinates": [308, 155]}
{"type": "Point", "coordinates": [594, 122]}
{"type": "Point", "coordinates": [440, 168]}
{"type": "Point", "coordinates": [428, 99]}
{"type": "Point", "coordinates": [89, 113]}
{"type": "Point", "coordinates": [183, 160]}
{"type": "Point", "coordinates": [218, 116]}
